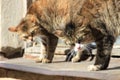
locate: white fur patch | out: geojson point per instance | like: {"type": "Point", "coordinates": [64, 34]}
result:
{"type": "Point", "coordinates": [42, 56]}
{"type": "Point", "coordinates": [78, 46]}
{"type": "Point", "coordinates": [93, 67]}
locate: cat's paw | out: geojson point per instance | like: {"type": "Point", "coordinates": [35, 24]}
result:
{"type": "Point", "coordinates": [75, 59]}
{"type": "Point", "coordinates": [38, 60]}
{"type": "Point", "coordinates": [94, 67]}
{"type": "Point", "coordinates": [45, 60]}
{"type": "Point", "coordinates": [42, 59]}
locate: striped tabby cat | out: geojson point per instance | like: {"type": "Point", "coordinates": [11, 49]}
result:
{"type": "Point", "coordinates": [73, 20]}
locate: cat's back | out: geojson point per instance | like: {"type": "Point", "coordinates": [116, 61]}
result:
{"type": "Point", "coordinates": [55, 6]}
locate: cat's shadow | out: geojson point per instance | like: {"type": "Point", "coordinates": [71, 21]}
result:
{"type": "Point", "coordinates": [114, 68]}
{"type": "Point", "coordinates": [58, 61]}
{"type": "Point", "coordinates": [110, 68]}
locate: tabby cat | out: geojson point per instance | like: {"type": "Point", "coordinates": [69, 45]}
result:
{"type": "Point", "coordinates": [70, 20]}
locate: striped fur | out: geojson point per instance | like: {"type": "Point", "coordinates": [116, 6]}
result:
{"type": "Point", "coordinates": [73, 20]}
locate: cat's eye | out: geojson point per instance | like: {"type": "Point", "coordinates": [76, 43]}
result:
{"type": "Point", "coordinates": [25, 37]}
{"type": "Point", "coordinates": [24, 28]}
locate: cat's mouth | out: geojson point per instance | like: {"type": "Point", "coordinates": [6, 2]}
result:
{"type": "Point", "coordinates": [26, 38]}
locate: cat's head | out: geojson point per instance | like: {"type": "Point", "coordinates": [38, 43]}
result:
{"type": "Point", "coordinates": [28, 28]}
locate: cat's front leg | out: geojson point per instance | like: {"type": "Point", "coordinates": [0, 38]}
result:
{"type": "Point", "coordinates": [43, 58]}
{"type": "Point", "coordinates": [104, 48]}
{"type": "Point", "coordinates": [52, 44]}
{"type": "Point", "coordinates": [48, 47]}
{"type": "Point", "coordinates": [76, 58]}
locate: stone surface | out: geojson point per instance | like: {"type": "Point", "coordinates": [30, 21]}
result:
{"type": "Point", "coordinates": [61, 68]}
{"type": "Point", "coordinates": [9, 79]}
{"type": "Point", "coordinates": [20, 75]}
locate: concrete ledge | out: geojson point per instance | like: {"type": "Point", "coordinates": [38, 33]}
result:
{"type": "Point", "coordinates": [61, 68]}
{"type": "Point", "coordinates": [20, 75]}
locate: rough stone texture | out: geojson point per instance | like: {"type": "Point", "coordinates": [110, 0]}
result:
{"type": "Point", "coordinates": [19, 75]}
{"type": "Point", "coordinates": [11, 12]}
{"type": "Point", "coordinates": [9, 79]}
{"type": "Point", "coordinates": [16, 68]}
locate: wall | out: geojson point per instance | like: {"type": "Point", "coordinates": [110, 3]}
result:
{"type": "Point", "coordinates": [0, 21]}
{"type": "Point", "coordinates": [11, 12]}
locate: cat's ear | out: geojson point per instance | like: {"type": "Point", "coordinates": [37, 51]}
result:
{"type": "Point", "coordinates": [12, 29]}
